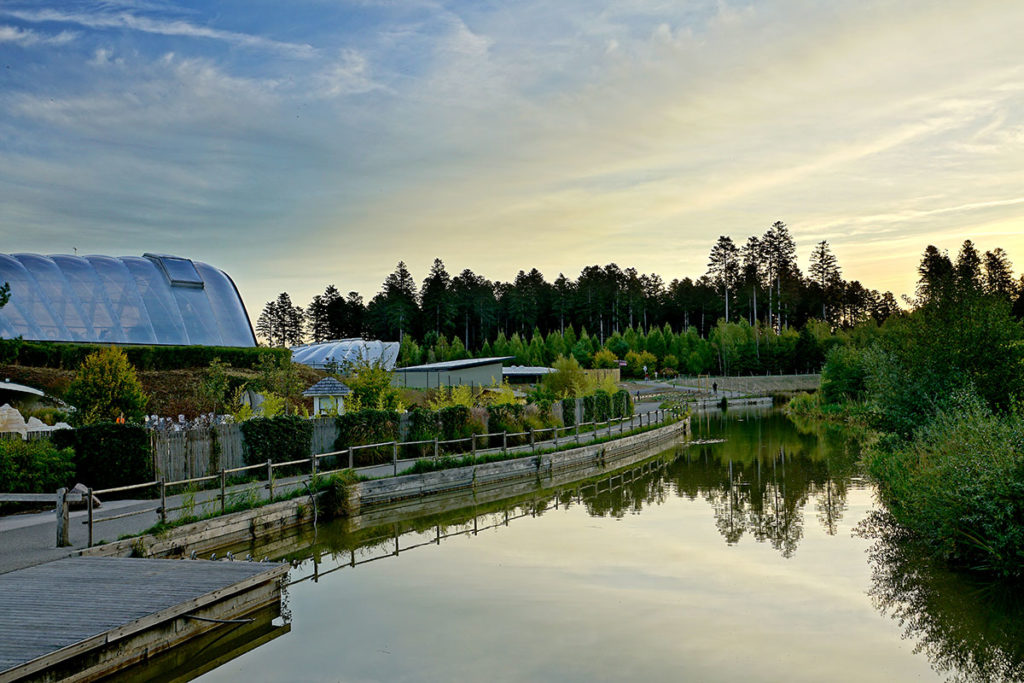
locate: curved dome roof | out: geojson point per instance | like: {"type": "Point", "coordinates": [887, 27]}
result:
{"type": "Point", "coordinates": [153, 299]}
{"type": "Point", "coordinates": [345, 351]}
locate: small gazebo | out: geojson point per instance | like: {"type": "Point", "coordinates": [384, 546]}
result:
{"type": "Point", "coordinates": [328, 396]}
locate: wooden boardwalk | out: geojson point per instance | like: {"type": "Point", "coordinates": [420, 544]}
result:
{"type": "Point", "coordinates": [54, 612]}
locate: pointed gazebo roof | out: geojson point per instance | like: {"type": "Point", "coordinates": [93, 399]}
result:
{"type": "Point", "coordinates": [328, 386]}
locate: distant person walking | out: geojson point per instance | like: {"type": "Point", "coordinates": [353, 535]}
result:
{"type": "Point", "coordinates": [714, 387]}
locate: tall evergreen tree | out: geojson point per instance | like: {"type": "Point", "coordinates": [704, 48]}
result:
{"type": "Point", "coordinates": [724, 267]}
{"type": "Point", "coordinates": [825, 273]}
{"type": "Point", "coordinates": [437, 300]}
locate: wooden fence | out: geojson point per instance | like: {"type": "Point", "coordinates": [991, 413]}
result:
{"type": "Point", "coordinates": [188, 454]}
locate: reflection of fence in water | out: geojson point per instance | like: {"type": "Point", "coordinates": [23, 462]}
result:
{"type": "Point", "coordinates": [390, 545]}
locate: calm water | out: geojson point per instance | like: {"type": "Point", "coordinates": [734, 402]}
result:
{"type": "Point", "coordinates": [725, 562]}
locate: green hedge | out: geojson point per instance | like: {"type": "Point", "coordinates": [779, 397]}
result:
{"type": "Point", "coordinates": [367, 426]}
{"type": "Point", "coordinates": [622, 403]}
{"type": "Point", "coordinates": [424, 425]}
{"type": "Point", "coordinates": [35, 466]}
{"type": "Point", "coordinates": [108, 454]}
{"type": "Point", "coordinates": [457, 423]}
{"type": "Point", "coordinates": [278, 439]}
{"type": "Point", "coordinates": [507, 417]}
{"type": "Point", "coordinates": [569, 412]}
{"type": "Point", "coordinates": [70, 356]}
{"type": "Point", "coordinates": [589, 408]}
{"type": "Point", "coordinates": [602, 405]}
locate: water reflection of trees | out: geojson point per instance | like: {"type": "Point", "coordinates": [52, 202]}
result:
{"type": "Point", "coordinates": [969, 630]}
{"type": "Point", "coordinates": [758, 481]}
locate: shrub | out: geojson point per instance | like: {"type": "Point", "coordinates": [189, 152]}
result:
{"type": "Point", "coordinates": [569, 412]}
{"type": "Point", "coordinates": [424, 425]}
{"type": "Point", "coordinates": [106, 388]}
{"type": "Point", "coordinates": [605, 359]}
{"type": "Point", "coordinates": [844, 376]}
{"type": "Point", "coordinates": [958, 486]}
{"type": "Point", "coordinates": [568, 379]}
{"type": "Point", "coordinates": [622, 404]}
{"type": "Point", "coordinates": [278, 439]}
{"type": "Point", "coordinates": [602, 406]}
{"type": "Point", "coordinates": [36, 466]}
{"type": "Point", "coordinates": [507, 417]}
{"type": "Point", "coordinates": [368, 426]}
{"type": "Point", "coordinates": [456, 423]}
{"type": "Point", "coordinates": [589, 408]}
{"type": "Point", "coordinates": [108, 454]}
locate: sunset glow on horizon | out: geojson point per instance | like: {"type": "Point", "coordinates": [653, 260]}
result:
{"type": "Point", "coordinates": [304, 144]}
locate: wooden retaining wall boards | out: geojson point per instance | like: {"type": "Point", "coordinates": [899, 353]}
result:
{"type": "Point", "coordinates": [394, 489]}
{"type": "Point", "coordinates": [82, 618]}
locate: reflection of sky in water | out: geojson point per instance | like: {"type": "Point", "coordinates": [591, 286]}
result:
{"type": "Point", "coordinates": [655, 596]}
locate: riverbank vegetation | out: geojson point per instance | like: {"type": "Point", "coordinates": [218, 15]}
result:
{"type": "Point", "coordinates": [942, 387]}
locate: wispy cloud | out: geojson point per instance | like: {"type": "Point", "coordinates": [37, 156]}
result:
{"type": "Point", "coordinates": [27, 37]}
{"type": "Point", "coordinates": [173, 27]}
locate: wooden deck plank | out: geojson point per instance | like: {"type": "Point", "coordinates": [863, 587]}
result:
{"type": "Point", "coordinates": [64, 605]}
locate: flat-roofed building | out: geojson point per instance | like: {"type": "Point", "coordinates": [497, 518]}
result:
{"type": "Point", "coordinates": [476, 372]}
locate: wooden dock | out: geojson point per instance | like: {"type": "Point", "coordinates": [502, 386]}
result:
{"type": "Point", "coordinates": [85, 617]}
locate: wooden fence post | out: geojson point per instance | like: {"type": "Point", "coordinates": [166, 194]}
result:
{"type": "Point", "coordinates": [62, 518]}
{"type": "Point", "coordinates": [163, 502]}
{"type": "Point", "coordinates": [472, 438]}
{"type": "Point", "coordinates": [504, 441]}
{"type": "Point", "coordinates": [89, 507]}
{"type": "Point", "coordinates": [394, 456]}
{"type": "Point", "coordinates": [436, 449]}
{"type": "Point", "coordinates": [270, 479]}
{"type": "Point", "coordinates": [223, 490]}
{"type": "Point", "coordinates": [533, 443]}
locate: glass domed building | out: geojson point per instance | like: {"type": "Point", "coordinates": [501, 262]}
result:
{"type": "Point", "coordinates": [152, 299]}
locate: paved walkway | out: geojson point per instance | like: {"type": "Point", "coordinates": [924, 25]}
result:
{"type": "Point", "coordinates": [29, 539]}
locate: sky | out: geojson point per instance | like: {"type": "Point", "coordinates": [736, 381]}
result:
{"type": "Point", "coordinates": [300, 144]}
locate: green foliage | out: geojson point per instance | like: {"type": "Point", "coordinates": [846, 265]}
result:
{"type": "Point", "coordinates": [635, 363]}
{"type": "Point", "coordinates": [456, 422]}
{"type": "Point", "coordinates": [589, 408]}
{"type": "Point", "coordinates": [605, 359]}
{"type": "Point", "coordinates": [568, 379]}
{"type": "Point", "coordinates": [356, 428]}
{"type": "Point", "coordinates": [958, 486]}
{"type": "Point", "coordinates": [36, 466]}
{"type": "Point", "coordinates": [70, 356]}
{"type": "Point", "coordinates": [622, 404]}
{"type": "Point", "coordinates": [108, 454]}
{"type": "Point", "coordinates": [106, 388]}
{"type": "Point", "coordinates": [278, 439]}
{"type": "Point", "coordinates": [212, 390]}
{"type": "Point", "coordinates": [280, 383]}
{"type": "Point", "coordinates": [371, 389]}
{"type": "Point", "coordinates": [569, 412]}
{"type": "Point", "coordinates": [507, 417]}
{"type": "Point", "coordinates": [844, 377]}
{"type": "Point", "coordinates": [602, 406]}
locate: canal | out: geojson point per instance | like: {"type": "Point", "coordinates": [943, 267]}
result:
{"type": "Point", "coordinates": [741, 560]}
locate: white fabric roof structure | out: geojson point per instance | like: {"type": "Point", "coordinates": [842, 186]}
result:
{"type": "Point", "coordinates": [346, 351]}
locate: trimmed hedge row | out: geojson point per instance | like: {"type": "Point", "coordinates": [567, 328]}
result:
{"type": "Point", "coordinates": [70, 356]}
{"type": "Point", "coordinates": [278, 439]}
{"type": "Point", "coordinates": [108, 454]}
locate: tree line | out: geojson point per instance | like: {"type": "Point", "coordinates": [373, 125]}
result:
{"type": "Point", "coordinates": [758, 283]}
